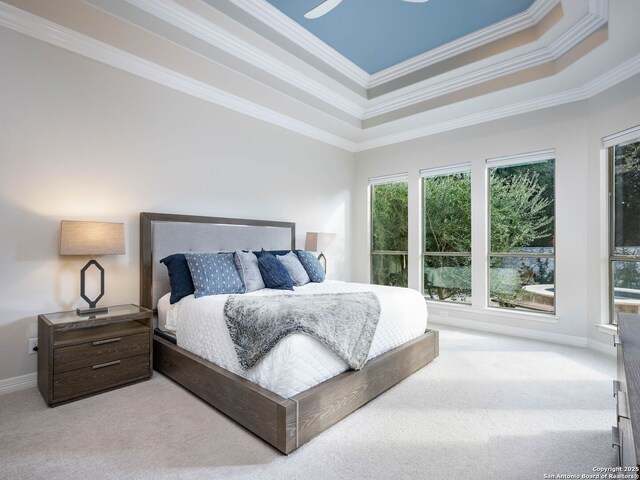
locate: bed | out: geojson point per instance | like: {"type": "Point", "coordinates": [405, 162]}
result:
{"type": "Point", "coordinates": [285, 416]}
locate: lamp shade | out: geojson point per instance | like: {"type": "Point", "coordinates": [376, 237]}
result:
{"type": "Point", "coordinates": [318, 241]}
{"type": "Point", "coordinates": [91, 238]}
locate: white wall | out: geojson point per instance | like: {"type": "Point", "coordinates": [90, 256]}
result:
{"type": "Point", "coordinates": [574, 130]}
{"type": "Point", "coordinates": [83, 141]}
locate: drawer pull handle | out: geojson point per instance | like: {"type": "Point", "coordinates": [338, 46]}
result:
{"type": "Point", "coordinates": [108, 364]}
{"type": "Point", "coordinates": [616, 340]}
{"type": "Point", "coordinates": [108, 340]}
{"type": "Point", "coordinates": [616, 388]}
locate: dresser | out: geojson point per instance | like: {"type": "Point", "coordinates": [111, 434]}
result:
{"type": "Point", "coordinates": [80, 356]}
{"type": "Point", "coordinates": [626, 390]}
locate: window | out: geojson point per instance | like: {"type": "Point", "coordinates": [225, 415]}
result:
{"type": "Point", "coordinates": [446, 244]}
{"type": "Point", "coordinates": [624, 230]}
{"type": "Point", "coordinates": [389, 237]}
{"type": "Point", "coordinates": [522, 232]}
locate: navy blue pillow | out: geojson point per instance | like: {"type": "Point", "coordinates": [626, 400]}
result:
{"type": "Point", "coordinates": [273, 252]}
{"type": "Point", "coordinates": [179, 277]}
{"type": "Point", "coordinates": [274, 274]}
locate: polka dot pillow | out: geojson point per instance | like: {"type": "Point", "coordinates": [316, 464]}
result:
{"type": "Point", "coordinates": [311, 265]}
{"type": "Point", "coordinates": [214, 274]}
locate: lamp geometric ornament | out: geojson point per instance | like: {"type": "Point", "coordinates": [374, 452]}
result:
{"type": "Point", "coordinates": [91, 238]}
{"type": "Point", "coordinates": [92, 303]}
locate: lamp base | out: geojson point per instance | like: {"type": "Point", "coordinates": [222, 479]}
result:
{"type": "Point", "coordinates": [81, 312]}
{"type": "Point", "coordinates": [322, 257]}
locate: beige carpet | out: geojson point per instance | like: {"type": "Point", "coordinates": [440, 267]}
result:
{"type": "Point", "coordinates": [490, 407]}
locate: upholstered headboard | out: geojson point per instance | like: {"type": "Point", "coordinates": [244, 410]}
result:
{"type": "Point", "coordinates": [163, 234]}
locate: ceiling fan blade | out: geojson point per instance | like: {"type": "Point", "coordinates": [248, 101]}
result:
{"type": "Point", "coordinates": [321, 9]}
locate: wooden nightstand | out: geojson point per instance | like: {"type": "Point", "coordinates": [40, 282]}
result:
{"type": "Point", "coordinates": [82, 356]}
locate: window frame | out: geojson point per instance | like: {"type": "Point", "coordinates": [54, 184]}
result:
{"type": "Point", "coordinates": [610, 144]}
{"type": "Point", "coordinates": [385, 180]}
{"type": "Point", "coordinates": [512, 161]}
{"type": "Point", "coordinates": [432, 173]}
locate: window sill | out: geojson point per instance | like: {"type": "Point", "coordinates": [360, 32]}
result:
{"type": "Point", "coordinates": [495, 312]}
{"type": "Point", "coordinates": [607, 328]}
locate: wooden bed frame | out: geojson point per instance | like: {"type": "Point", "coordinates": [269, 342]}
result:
{"type": "Point", "coordinates": [285, 423]}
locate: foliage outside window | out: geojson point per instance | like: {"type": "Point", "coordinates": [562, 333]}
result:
{"type": "Point", "coordinates": [447, 237]}
{"type": "Point", "coordinates": [389, 233]}
{"type": "Point", "coordinates": [624, 257]}
{"type": "Point", "coordinates": [521, 239]}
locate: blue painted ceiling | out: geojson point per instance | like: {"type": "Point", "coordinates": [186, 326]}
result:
{"type": "Point", "coordinates": [376, 34]}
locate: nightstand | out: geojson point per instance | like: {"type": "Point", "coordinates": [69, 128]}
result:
{"type": "Point", "coordinates": [80, 356]}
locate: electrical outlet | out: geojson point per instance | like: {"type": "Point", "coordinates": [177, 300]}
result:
{"type": "Point", "coordinates": [33, 345]}
{"type": "Point", "coordinates": [443, 313]}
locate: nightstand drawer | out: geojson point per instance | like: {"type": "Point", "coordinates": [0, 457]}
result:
{"type": "Point", "coordinates": [99, 351]}
{"type": "Point", "coordinates": [100, 376]}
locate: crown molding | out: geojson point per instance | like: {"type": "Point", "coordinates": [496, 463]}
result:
{"type": "Point", "coordinates": [192, 23]}
{"type": "Point", "coordinates": [598, 85]}
{"type": "Point", "coordinates": [54, 34]}
{"type": "Point", "coordinates": [417, 93]}
{"type": "Point", "coordinates": [278, 21]}
{"type": "Point", "coordinates": [47, 31]}
{"type": "Point", "coordinates": [202, 28]}
{"type": "Point", "coordinates": [530, 17]}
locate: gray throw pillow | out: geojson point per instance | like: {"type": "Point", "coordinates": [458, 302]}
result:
{"type": "Point", "coordinates": [295, 269]}
{"type": "Point", "coordinates": [247, 265]}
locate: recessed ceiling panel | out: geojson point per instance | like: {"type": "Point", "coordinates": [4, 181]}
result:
{"type": "Point", "coordinates": [376, 34]}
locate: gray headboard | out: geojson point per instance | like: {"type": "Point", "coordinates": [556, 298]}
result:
{"type": "Point", "coordinates": [163, 234]}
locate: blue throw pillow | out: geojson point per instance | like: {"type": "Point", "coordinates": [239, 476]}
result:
{"type": "Point", "coordinates": [214, 274]}
{"type": "Point", "coordinates": [312, 265]}
{"type": "Point", "coordinates": [179, 277]}
{"type": "Point", "coordinates": [273, 252]}
{"type": "Point", "coordinates": [273, 272]}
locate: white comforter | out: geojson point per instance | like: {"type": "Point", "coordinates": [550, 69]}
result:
{"type": "Point", "coordinates": [298, 361]}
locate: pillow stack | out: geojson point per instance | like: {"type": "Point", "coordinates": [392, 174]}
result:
{"type": "Point", "coordinates": [203, 274]}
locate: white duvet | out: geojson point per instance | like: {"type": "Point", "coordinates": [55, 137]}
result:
{"type": "Point", "coordinates": [299, 361]}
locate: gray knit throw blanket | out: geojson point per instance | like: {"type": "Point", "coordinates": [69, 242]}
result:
{"type": "Point", "coordinates": [344, 322]}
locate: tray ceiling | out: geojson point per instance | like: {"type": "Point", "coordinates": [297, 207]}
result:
{"type": "Point", "coordinates": [376, 35]}
{"type": "Point", "coordinates": [248, 56]}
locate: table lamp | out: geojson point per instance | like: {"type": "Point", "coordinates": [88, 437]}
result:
{"type": "Point", "coordinates": [91, 238]}
{"type": "Point", "coordinates": [317, 242]}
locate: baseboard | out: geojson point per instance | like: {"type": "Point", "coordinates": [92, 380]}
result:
{"type": "Point", "coordinates": [513, 331]}
{"type": "Point", "coordinates": [602, 347]}
{"type": "Point", "coordinates": [560, 338]}
{"type": "Point", "coordinates": [22, 382]}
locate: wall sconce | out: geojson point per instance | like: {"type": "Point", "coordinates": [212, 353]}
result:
{"type": "Point", "coordinates": [91, 238]}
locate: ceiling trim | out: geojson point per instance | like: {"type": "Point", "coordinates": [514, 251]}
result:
{"type": "Point", "coordinates": [598, 85]}
{"type": "Point", "coordinates": [278, 21]}
{"type": "Point", "coordinates": [54, 34]}
{"type": "Point", "coordinates": [411, 95]}
{"type": "Point", "coordinates": [194, 24]}
{"type": "Point", "coordinates": [530, 17]}
{"type": "Point", "coordinates": [274, 18]}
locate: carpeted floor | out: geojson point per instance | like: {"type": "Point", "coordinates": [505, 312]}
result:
{"type": "Point", "coordinates": [490, 407]}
